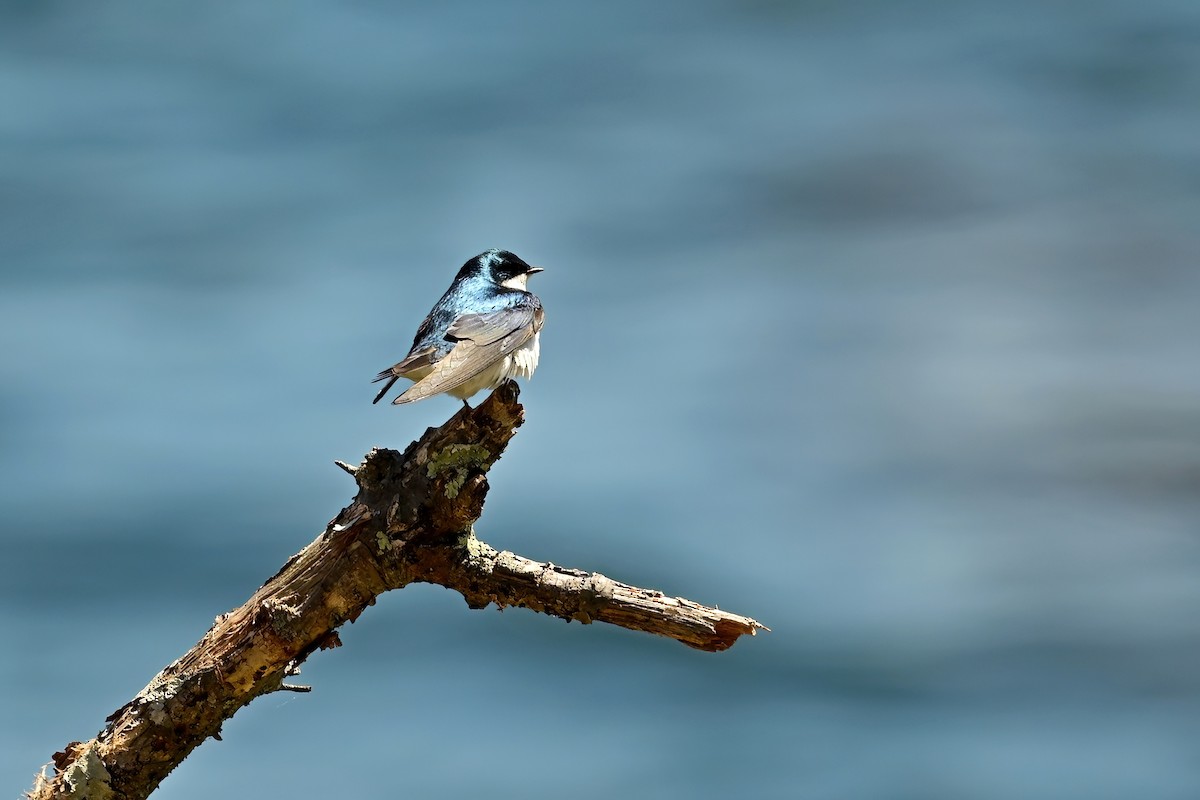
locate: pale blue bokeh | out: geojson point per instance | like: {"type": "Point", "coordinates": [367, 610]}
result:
{"type": "Point", "coordinates": [875, 321]}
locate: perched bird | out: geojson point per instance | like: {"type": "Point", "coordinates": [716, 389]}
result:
{"type": "Point", "coordinates": [482, 332]}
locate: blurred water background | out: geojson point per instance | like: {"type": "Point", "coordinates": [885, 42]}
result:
{"type": "Point", "coordinates": [875, 321]}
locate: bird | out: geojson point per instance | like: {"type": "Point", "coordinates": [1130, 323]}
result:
{"type": "Point", "coordinates": [483, 331]}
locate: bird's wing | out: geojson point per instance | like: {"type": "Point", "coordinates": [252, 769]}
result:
{"type": "Point", "coordinates": [480, 339]}
{"type": "Point", "coordinates": [491, 327]}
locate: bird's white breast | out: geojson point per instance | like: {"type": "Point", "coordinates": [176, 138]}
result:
{"type": "Point", "coordinates": [525, 358]}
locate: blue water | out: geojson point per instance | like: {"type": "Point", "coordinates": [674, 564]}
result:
{"type": "Point", "coordinates": [877, 322]}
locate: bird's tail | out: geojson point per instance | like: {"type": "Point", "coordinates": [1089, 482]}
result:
{"type": "Point", "coordinates": [388, 375]}
{"type": "Point", "coordinates": [414, 363]}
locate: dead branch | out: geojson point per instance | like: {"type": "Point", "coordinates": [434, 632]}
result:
{"type": "Point", "coordinates": [411, 521]}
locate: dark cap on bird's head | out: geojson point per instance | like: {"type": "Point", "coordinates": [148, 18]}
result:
{"type": "Point", "coordinates": [498, 265]}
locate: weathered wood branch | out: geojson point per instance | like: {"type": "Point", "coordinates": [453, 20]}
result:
{"type": "Point", "coordinates": [411, 521]}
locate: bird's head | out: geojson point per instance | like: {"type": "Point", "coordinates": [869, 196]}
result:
{"type": "Point", "coordinates": [500, 267]}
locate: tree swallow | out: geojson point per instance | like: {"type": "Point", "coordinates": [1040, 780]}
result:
{"type": "Point", "coordinates": [482, 332]}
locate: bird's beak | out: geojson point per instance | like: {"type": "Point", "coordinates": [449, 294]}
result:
{"type": "Point", "coordinates": [535, 270]}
